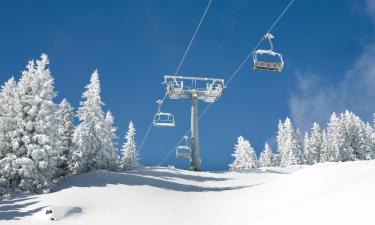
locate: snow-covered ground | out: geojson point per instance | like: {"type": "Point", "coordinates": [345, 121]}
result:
{"type": "Point", "coordinates": [328, 193]}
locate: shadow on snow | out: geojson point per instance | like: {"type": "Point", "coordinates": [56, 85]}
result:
{"type": "Point", "coordinates": [269, 170]}
{"type": "Point", "coordinates": [154, 178]}
{"type": "Point", "coordinates": [15, 209]}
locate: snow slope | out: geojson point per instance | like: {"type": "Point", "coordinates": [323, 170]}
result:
{"type": "Point", "coordinates": [328, 193]}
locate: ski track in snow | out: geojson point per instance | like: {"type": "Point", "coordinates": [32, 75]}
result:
{"type": "Point", "coordinates": [327, 193]}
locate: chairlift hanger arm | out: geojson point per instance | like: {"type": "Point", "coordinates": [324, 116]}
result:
{"type": "Point", "coordinates": [269, 37]}
{"type": "Point", "coordinates": [159, 102]}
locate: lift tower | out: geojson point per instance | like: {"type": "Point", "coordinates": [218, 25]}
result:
{"type": "Point", "coordinates": [195, 88]}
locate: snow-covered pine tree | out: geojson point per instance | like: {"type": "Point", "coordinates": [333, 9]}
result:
{"type": "Point", "coordinates": [333, 140]}
{"type": "Point", "coordinates": [130, 156]}
{"type": "Point", "coordinates": [110, 141]}
{"type": "Point", "coordinates": [289, 144]}
{"type": "Point", "coordinates": [300, 147]}
{"type": "Point", "coordinates": [8, 174]}
{"type": "Point", "coordinates": [34, 141]}
{"type": "Point", "coordinates": [7, 126]}
{"type": "Point", "coordinates": [91, 137]}
{"type": "Point", "coordinates": [7, 116]}
{"type": "Point", "coordinates": [324, 151]}
{"type": "Point", "coordinates": [370, 153]}
{"type": "Point", "coordinates": [266, 158]}
{"type": "Point", "coordinates": [347, 138]}
{"type": "Point", "coordinates": [244, 156]}
{"type": "Point", "coordinates": [313, 145]}
{"type": "Point", "coordinates": [306, 148]}
{"type": "Point", "coordinates": [276, 160]}
{"type": "Point", "coordinates": [64, 117]}
{"type": "Point", "coordinates": [359, 136]}
{"type": "Point", "coordinates": [280, 139]}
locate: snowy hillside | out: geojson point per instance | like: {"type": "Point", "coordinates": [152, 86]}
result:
{"type": "Point", "coordinates": [333, 193]}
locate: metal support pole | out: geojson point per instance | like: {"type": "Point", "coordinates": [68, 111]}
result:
{"type": "Point", "coordinates": [195, 164]}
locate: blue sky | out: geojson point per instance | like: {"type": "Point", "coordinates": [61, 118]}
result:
{"type": "Point", "coordinates": [328, 48]}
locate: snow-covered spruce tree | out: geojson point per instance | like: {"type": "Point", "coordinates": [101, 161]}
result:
{"type": "Point", "coordinates": [370, 151]}
{"type": "Point", "coordinates": [289, 144]}
{"type": "Point", "coordinates": [244, 156]}
{"type": "Point", "coordinates": [358, 136]}
{"type": "Point", "coordinates": [65, 129]}
{"type": "Point", "coordinates": [93, 136]}
{"type": "Point", "coordinates": [313, 145]}
{"type": "Point", "coordinates": [280, 139]}
{"type": "Point", "coordinates": [306, 148]}
{"type": "Point", "coordinates": [7, 126]}
{"type": "Point", "coordinates": [300, 147]}
{"type": "Point", "coordinates": [7, 116]}
{"type": "Point", "coordinates": [266, 158]}
{"type": "Point", "coordinates": [276, 160]}
{"type": "Point", "coordinates": [324, 151]}
{"type": "Point", "coordinates": [109, 142]}
{"type": "Point", "coordinates": [34, 141]}
{"type": "Point", "coordinates": [333, 140]}
{"type": "Point", "coordinates": [130, 156]}
{"type": "Point", "coordinates": [348, 138]}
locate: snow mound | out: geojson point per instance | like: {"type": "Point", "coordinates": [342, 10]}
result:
{"type": "Point", "coordinates": [326, 193]}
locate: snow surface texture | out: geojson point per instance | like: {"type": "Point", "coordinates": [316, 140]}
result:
{"type": "Point", "coordinates": [325, 193]}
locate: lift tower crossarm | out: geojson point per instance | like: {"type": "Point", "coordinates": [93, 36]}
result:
{"type": "Point", "coordinates": [168, 77]}
{"type": "Point", "coordinates": [207, 89]}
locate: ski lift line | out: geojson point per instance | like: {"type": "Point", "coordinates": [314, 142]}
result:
{"type": "Point", "coordinates": [188, 47]}
{"type": "Point", "coordinates": [233, 75]}
{"type": "Point", "coordinates": [258, 44]}
{"type": "Point", "coordinates": [281, 15]}
{"type": "Point", "coordinates": [145, 137]}
{"type": "Point", "coordinates": [192, 39]}
{"type": "Point", "coordinates": [178, 68]}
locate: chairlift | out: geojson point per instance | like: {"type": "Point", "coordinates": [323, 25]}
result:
{"type": "Point", "coordinates": [276, 64]}
{"type": "Point", "coordinates": [184, 151]}
{"type": "Point", "coordinates": [162, 119]}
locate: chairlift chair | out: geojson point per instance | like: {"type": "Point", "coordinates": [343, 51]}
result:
{"type": "Point", "coordinates": [270, 65]}
{"type": "Point", "coordinates": [184, 151]}
{"type": "Point", "coordinates": [162, 119]}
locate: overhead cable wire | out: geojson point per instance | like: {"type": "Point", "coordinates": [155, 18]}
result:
{"type": "Point", "coordinates": [236, 71]}
{"type": "Point", "coordinates": [178, 68]}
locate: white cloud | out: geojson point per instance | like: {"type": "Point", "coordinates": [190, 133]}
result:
{"type": "Point", "coordinates": [356, 91]}
{"type": "Point", "coordinates": [370, 8]}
